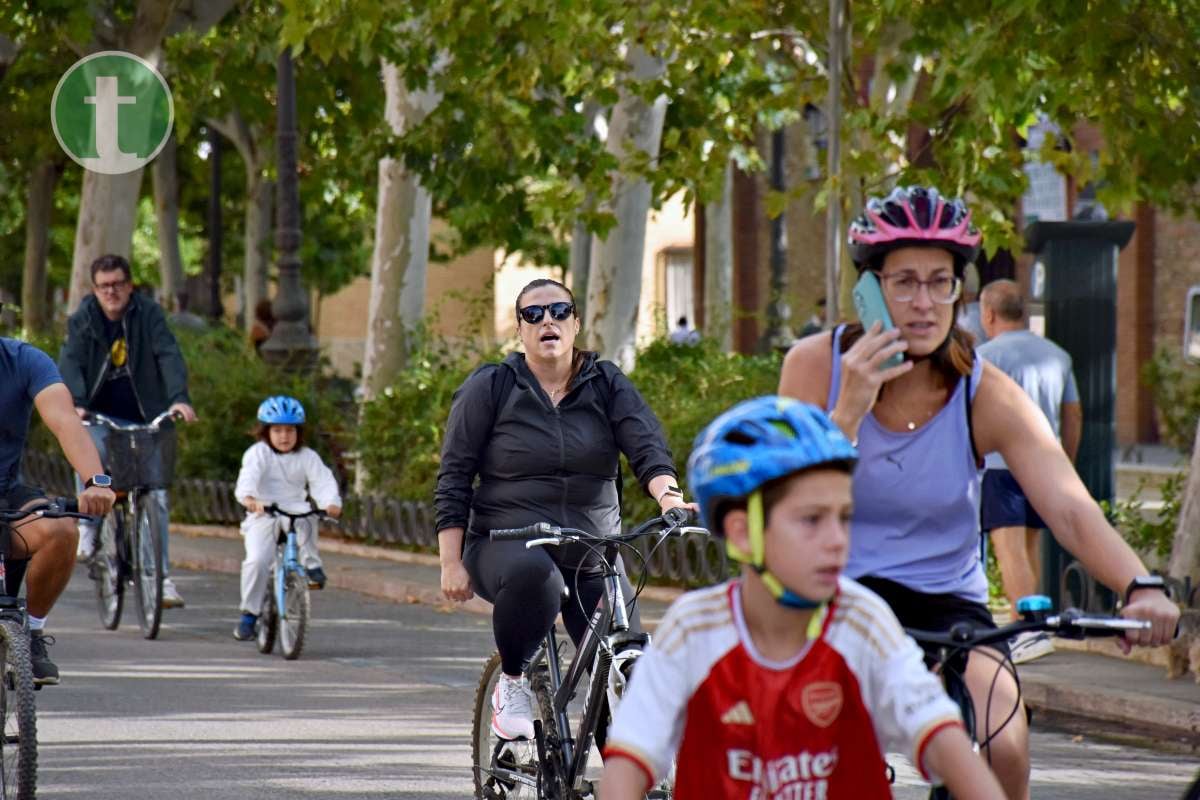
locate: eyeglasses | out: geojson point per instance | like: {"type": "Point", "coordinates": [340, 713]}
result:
{"type": "Point", "coordinates": [115, 286]}
{"type": "Point", "coordinates": [903, 287]}
{"type": "Point", "coordinates": [559, 312]}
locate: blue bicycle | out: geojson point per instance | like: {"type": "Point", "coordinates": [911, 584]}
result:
{"type": "Point", "coordinates": [287, 608]}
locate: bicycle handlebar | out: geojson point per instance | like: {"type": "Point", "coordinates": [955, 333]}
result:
{"type": "Point", "coordinates": [153, 425]}
{"type": "Point", "coordinates": [545, 533]}
{"type": "Point", "coordinates": [1069, 624]}
{"type": "Point", "coordinates": [58, 508]}
{"type": "Point", "coordinates": [275, 511]}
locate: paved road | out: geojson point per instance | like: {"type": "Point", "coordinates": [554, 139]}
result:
{"type": "Point", "coordinates": [378, 706]}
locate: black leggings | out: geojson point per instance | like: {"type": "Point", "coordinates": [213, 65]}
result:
{"type": "Point", "coordinates": [525, 588]}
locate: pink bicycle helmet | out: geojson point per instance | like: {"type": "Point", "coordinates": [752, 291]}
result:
{"type": "Point", "coordinates": [914, 215]}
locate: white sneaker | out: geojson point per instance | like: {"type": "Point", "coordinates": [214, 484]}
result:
{"type": "Point", "coordinates": [512, 708]}
{"type": "Point", "coordinates": [1030, 645]}
{"type": "Point", "coordinates": [87, 544]}
{"type": "Point", "coordinates": [171, 596]}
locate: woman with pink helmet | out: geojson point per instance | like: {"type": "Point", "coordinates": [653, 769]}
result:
{"type": "Point", "coordinates": [922, 427]}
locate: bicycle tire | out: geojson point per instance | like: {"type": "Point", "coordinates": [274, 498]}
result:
{"type": "Point", "coordinates": [523, 753]}
{"type": "Point", "coordinates": [147, 573]}
{"type": "Point", "coordinates": [956, 690]}
{"type": "Point", "coordinates": [267, 625]}
{"type": "Point", "coordinates": [105, 569]}
{"type": "Point", "coordinates": [18, 746]}
{"type": "Point", "coordinates": [595, 713]}
{"type": "Point", "coordinates": [293, 622]}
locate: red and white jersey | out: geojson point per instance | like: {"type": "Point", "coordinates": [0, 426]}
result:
{"type": "Point", "coordinates": [812, 728]}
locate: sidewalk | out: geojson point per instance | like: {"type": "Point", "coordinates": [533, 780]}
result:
{"type": "Point", "coordinates": [1105, 692]}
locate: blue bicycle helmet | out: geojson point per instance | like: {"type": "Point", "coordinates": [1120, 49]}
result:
{"type": "Point", "coordinates": [281, 410]}
{"type": "Point", "coordinates": [756, 442]}
{"type": "Point", "coordinates": [750, 445]}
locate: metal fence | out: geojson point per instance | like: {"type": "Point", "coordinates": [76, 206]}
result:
{"type": "Point", "coordinates": [380, 519]}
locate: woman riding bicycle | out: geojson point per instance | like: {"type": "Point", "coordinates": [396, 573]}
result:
{"type": "Point", "coordinates": [922, 428]}
{"type": "Point", "coordinates": [543, 432]}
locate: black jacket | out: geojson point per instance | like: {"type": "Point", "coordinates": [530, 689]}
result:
{"type": "Point", "coordinates": [159, 374]}
{"type": "Point", "coordinates": [541, 462]}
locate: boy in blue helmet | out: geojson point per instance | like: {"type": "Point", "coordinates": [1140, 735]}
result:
{"type": "Point", "coordinates": [790, 681]}
{"type": "Point", "coordinates": [278, 469]}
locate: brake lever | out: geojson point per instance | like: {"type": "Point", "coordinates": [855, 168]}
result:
{"type": "Point", "coordinates": [554, 540]}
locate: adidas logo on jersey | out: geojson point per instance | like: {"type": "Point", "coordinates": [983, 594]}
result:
{"type": "Point", "coordinates": [738, 714]}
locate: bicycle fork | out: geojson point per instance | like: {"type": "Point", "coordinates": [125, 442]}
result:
{"type": "Point", "coordinates": [290, 563]}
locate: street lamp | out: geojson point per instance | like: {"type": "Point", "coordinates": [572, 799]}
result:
{"type": "Point", "coordinates": [291, 343]}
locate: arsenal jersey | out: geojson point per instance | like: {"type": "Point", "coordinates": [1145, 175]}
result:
{"type": "Point", "coordinates": [814, 727]}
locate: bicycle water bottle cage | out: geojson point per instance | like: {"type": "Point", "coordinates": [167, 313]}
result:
{"type": "Point", "coordinates": [1034, 607]}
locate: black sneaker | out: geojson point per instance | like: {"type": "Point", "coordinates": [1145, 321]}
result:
{"type": "Point", "coordinates": [45, 673]}
{"type": "Point", "coordinates": [316, 578]}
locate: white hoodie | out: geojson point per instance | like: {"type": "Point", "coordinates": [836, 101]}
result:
{"type": "Point", "coordinates": [286, 479]}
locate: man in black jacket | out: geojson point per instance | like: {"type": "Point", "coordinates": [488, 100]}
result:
{"type": "Point", "coordinates": [121, 360]}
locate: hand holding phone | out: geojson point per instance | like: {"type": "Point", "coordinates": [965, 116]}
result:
{"type": "Point", "coordinates": [872, 308]}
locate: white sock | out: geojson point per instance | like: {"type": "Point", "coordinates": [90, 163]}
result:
{"type": "Point", "coordinates": [36, 623]}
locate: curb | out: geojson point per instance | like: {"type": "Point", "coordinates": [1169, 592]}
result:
{"type": "Point", "coordinates": [392, 589]}
{"type": "Point", "coordinates": [1129, 711]}
{"type": "Point", "coordinates": [412, 592]}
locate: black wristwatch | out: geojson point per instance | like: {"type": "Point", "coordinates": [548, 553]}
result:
{"type": "Point", "coordinates": [1146, 582]}
{"type": "Point", "coordinates": [102, 480]}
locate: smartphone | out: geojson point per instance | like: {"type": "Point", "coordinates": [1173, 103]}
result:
{"type": "Point", "coordinates": [871, 307]}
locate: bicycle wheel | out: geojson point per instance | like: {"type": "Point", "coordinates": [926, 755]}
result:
{"type": "Point", "coordinates": [105, 569]}
{"type": "Point", "coordinates": [293, 623]}
{"type": "Point", "coordinates": [18, 747]}
{"type": "Point", "coordinates": [509, 770]}
{"type": "Point", "coordinates": [268, 621]}
{"type": "Point", "coordinates": [147, 572]}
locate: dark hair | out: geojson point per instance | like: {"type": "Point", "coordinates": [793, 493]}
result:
{"type": "Point", "coordinates": [262, 432]}
{"type": "Point", "coordinates": [577, 356]}
{"type": "Point", "coordinates": [263, 312]}
{"type": "Point", "coordinates": [682, 321]}
{"type": "Point", "coordinates": [110, 262]}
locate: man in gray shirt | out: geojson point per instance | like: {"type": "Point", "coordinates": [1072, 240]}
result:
{"type": "Point", "coordinates": [1043, 370]}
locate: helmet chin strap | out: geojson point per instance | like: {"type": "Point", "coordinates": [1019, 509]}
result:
{"type": "Point", "coordinates": [756, 559]}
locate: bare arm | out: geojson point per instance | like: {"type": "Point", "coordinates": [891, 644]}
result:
{"type": "Point", "coordinates": [950, 756]}
{"type": "Point", "coordinates": [622, 779]}
{"type": "Point", "coordinates": [1007, 421]}
{"type": "Point", "coordinates": [57, 410]}
{"type": "Point", "coordinates": [456, 582]}
{"type": "Point", "coordinates": [1072, 429]}
{"type": "Point", "coordinates": [808, 370]}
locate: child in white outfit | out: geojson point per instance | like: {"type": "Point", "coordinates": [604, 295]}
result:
{"type": "Point", "coordinates": [278, 469]}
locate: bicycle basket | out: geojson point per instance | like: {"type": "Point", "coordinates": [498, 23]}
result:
{"type": "Point", "coordinates": [142, 458]}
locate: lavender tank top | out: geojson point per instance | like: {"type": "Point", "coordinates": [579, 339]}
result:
{"type": "Point", "coordinates": [916, 499]}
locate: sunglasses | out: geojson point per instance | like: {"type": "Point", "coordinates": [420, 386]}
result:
{"type": "Point", "coordinates": [559, 312]}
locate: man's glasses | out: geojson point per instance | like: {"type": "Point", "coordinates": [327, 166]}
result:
{"type": "Point", "coordinates": [559, 312]}
{"type": "Point", "coordinates": [115, 286]}
{"type": "Point", "coordinates": [903, 287]}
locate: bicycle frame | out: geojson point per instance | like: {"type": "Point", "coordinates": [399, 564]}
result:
{"type": "Point", "coordinates": [611, 621]}
{"type": "Point", "coordinates": [289, 563]}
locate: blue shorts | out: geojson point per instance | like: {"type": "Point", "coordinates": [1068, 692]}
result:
{"type": "Point", "coordinates": [1004, 504]}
